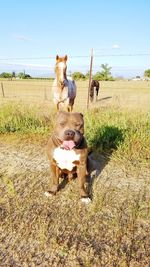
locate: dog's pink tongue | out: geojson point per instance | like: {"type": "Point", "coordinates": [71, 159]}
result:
{"type": "Point", "coordinates": [68, 144]}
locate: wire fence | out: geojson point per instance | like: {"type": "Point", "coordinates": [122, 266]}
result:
{"type": "Point", "coordinates": [40, 88]}
{"type": "Point", "coordinates": [32, 88]}
{"type": "Point", "coordinates": [80, 56]}
{"type": "Point", "coordinates": [43, 66]}
{"type": "Point", "coordinates": [134, 94]}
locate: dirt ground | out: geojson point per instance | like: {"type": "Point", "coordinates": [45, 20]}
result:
{"type": "Point", "coordinates": [113, 230]}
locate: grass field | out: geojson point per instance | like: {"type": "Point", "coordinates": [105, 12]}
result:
{"type": "Point", "coordinates": [113, 230]}
{"type": "Point", "coordinates": [130, 94]}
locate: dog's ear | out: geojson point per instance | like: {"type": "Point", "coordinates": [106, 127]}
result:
{"type": "Point", "coordinates": [61, 112]}
{"type": "Point", "coordinates": [57, 57]}
{"type": "Point", "coordinates": [66, 57]}
{"type": "Point", "coordinates": [58, 112]}
{"type": "Point", "coordinates": [81, 115]}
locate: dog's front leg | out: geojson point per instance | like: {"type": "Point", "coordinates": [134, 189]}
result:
{"type": "Point", "coordinates": [55, 178]}
{"type": "Point", "coordinates": [82, 177]}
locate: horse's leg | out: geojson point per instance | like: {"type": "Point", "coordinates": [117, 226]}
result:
{"type": "Point", "coordinates": [91, 94]}
{"type": "Point", "coordinates": [70, 108]}
{"type": "Point", "coordinates": [91, 98]}
{"type": "Point", "coordinates": [97, 90]}
{"type": "Point", "coordinates": [58, 106]}
{"type": "Point", "coordinates": [96, 94]}
{"type": "Point", "coordinates": [70, 105]}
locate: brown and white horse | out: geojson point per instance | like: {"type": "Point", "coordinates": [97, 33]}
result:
{"type": "Point", "coordinates": [94, 85]}
{"type": "Point", "coordinates": [64, 88]}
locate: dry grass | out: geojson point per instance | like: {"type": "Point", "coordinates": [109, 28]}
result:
{"type": "Point", "coordinates": [111, 231]}
{"type": "Point", "coordinates": [35, 231]}
{"type": "Point", "coordinates": [124, 94]}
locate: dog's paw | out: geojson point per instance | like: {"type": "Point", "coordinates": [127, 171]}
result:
{"type": "Point", "coordinates": [48, 194]}
{"type": "Point", "coordinates": [85, 200]}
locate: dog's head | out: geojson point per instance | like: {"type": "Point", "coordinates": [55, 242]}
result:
{"type": "Point", "coordinates": [69, 129]}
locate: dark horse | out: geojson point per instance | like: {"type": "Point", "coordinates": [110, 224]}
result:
{"type": "Point", "coordinates": [94, 84]}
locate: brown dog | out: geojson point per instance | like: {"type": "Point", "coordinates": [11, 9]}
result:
{"type": "Point", "coordinates": [67, 151]}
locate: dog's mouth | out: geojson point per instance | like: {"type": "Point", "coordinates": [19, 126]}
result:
{"type": "Point", "coordinates": [68, 144]}
{"type": "Point", "coordinates": [69, 139]}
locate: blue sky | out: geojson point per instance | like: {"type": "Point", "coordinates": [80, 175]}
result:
{"type": "Point", "coordinates": [34, 29]}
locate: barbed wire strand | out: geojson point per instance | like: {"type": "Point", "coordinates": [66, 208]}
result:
{"type": "Point", "coordinates": [79, 56]}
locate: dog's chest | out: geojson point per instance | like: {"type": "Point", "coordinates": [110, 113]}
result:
{"type": "Point", "coordinates": [65, 159]}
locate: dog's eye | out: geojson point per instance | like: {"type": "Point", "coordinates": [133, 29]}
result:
{"type": "Point", "coordinates": [62, 123]}
{"type": "Point", "coordinates": [78, 124]}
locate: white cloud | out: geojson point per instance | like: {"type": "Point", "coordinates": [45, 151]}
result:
{"type": "Point", "coordinates": [115, 46]}
{"type": "Point", "coordinates": [22, 38]}
{"type": "Point", "coordinates": [33, 65]}
{"type": "Point", "coordinates": [28, 65]}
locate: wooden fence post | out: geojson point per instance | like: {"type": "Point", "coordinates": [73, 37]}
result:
{"type": "Point", "coordinates": [90, 78]}
{"type": "Point", "coordinates": [45, 94]}
{"type": "Point", "coordinates": [3, 93]}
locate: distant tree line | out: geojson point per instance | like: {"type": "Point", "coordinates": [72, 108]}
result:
{"type": "Point", "coordinates": [103, 75]}
{"type": "Point", "coordinates": [147, 73]}
{"type": "Point", "coordinates": [20, 75]}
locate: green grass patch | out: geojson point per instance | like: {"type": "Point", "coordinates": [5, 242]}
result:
{"type": "Point", "coordinates": [126, 134]}
{"type": "Point", "coordinates": [24, 119]}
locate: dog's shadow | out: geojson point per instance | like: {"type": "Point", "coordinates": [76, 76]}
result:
{"type": "Point", "coordinates": [63, 183]}
{"type": "Point", "coordinates": [105, 141]}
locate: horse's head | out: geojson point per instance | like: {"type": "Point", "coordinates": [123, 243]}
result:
{"type": "Point", "coordinates": [60, 70]}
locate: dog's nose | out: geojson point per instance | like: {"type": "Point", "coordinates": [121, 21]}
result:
{"type": "Point", "coordinates": [69, 134]}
